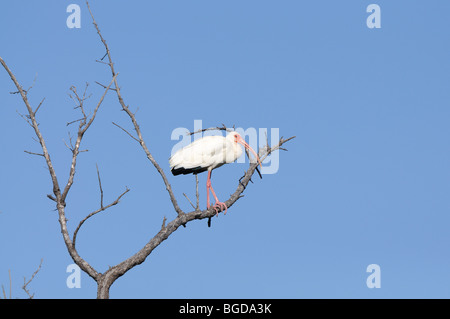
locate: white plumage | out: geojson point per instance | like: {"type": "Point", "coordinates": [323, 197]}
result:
{"type": "Point", "coordinates": [206, 154]}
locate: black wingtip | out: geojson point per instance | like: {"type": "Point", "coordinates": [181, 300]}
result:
{"type": "Point", "coordinates": [184, 171]}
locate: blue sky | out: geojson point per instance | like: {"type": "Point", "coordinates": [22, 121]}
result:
{"type": "Point", "coordinates": [366, 181]}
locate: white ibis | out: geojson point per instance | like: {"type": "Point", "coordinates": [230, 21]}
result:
{"type": "Point", "coordinates": [206, 154]}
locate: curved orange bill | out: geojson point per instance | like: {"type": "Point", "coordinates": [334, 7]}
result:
{"type": "Point", "coordinates": [243, 142]}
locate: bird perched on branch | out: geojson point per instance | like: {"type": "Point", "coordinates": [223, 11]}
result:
{"type": "Point", "coordinates": [206, 154]}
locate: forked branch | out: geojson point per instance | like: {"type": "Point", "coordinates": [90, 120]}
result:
{"type": "Point", "coordinates": [26, 283]}
{"type": "Point", "coordinates": [59, 197]}
{"type": "Point", "coordinates": [132, 117]}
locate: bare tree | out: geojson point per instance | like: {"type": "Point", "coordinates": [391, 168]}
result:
{"type": "Point", "coordinates": [60, 191]}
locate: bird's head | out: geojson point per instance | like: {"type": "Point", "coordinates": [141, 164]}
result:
{"type": "Point", "coordinates": [236, 138]}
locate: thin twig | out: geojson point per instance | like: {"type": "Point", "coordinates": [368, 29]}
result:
{"type": "Point", "coordinates": [37, 109]}
{"type": "Point", "coordinates": [4, 293]}
{"type": "Point", "coordinates": [189, 200]}
{"type": "Point", "coordinates": [196, 193]}
{"type": "Point", "coordinates": [134, 138]}
{"type": "Point", "coordinates": [104, 86]}
{"type": "Point", "coordinates": [217, 128]}
{"type": "Point", "coordinates": [95, 212]}
{"type": "Point", "coordinates": [99, 61]}
{"type": "Point", "coordinates": [100, 186]}
{"type": "Point", "coordinates": [32, 84]}
{"type": "Point", "coordinates": [79, 120]}
{"type": "Point", "coordinates": [32, 153]}
{"type": "Point", "coordinates": [70, 148]}
{"type": "Point", "coordinates": [26, 283]}
{"type": "Point", "coordinates": [79, 100]}
{"type": "Point", "coordinates": [25, 117]}
{"type": "Point", "coordinates": [250, 159]}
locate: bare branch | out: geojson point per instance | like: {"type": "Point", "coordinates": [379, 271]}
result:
{"type": "Point", "coordinates": [37, 109]}
{"type": "Point", "coordinates": [189, 200]}
{"type": "Point", "coordinates": [101, 209]}
{"type": "Point", "coordinates": [79, 120]}
{"type": "Point", "coordinates": [250, 159]}
{"type": "Point", "coordinates": [100, 186]}
{"type": "Point", "coordinates": [39, 154]}
{"type": "Point", "coordinates": [58, 198]}
{"type": "Point", "coordinates": [79, 102]}
{"type": "Point", "coordinates": [100, 61]}
{"type": "Point", "coordinates": [278, 146]}
{"type": "Point", "coordinates": [81, 130]}
{"type": "Point", "coordinates": [25, 117]}
{"type": "Point", "coordinates": [196, 193]}
{"type": "Point", "coordinates": [26, 283]}
{"type": "Point", "coordinates": [4, 293]}
{"type": "Point", "coordinates": [104, 86]}
{"type": "Point", "coordinates": [35, 125]}
{"type": "Point", "coordinates": [32, 84]}
{"type": "Point", "coordinates": [217, 128]}
{"type": "Point", "coordinates": [129, 134]}
{"type": "Point", "coordinates": [133, 119]}
{"type": "Point", "coordinates": [70, 148]}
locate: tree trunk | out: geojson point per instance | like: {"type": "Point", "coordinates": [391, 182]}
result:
{"type": "Point", "coordinates": [104, 283]}
{"type": "Point", "coordinates": [102, 292]}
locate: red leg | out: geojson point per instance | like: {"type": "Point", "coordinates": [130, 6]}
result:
{"type": "Point", "coordinates": [218, 205]}
{"type": "Point", "coordinates": [208, 185]}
